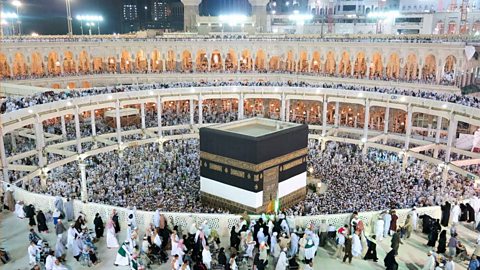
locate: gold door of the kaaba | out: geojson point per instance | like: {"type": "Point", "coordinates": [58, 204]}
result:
{"type": "Point", "coordinates": [270, 184]}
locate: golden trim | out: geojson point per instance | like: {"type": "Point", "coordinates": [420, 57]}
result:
{"type": "Point", "coordinates": [250, 166]}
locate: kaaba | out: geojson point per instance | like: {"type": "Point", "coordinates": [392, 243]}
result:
{"type": "Point", "coordinates": [248, 165]}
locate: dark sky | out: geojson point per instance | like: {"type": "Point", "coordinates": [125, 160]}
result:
{"type": "Point", "coordinates": [49, 16]}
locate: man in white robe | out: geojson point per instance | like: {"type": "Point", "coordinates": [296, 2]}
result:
{"type": "Point", "coordinates": [49, 262]}
{"type": "Point", "coordinates": [32, 253]}
{"type": "Point", "coordinates": [310, 250]}
{"type": "Point", "coordinates": [293, 244]}
{"type": "Point", "coordinates": [387, 218]}
{"type": "Point", "coordinates": [414, 215]}
{"type": "Point", "coordinates": [123, 255]}
{"type": "Point", "coordinates": [430, 263]}
{"type": "Point", "coordinates": [282, 262]}
{"type": "Point", "coordinates": [19, 210]}
{"type": "Point", "coordinates": [71, 232]}
{"type": "Point", "coordinates": [356, 245]}
{"type": "Point", "coordinates": [207, 257]}
{"type": "Point", "coordinates": [111, 239]}
{"type": "Point", "coordinates": [59, 249]}
{"type": "Point", "coordinates": [69, 214]}
{"type": "Point", "coordinates": [379, 228]}
{"type": "Point", "coordinates": [456, 211]}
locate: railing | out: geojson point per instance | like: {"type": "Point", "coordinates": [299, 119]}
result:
{"type": "Point", "coordinates": [220, 222]}
{"type": "Point", "coordinates": [136, 78]}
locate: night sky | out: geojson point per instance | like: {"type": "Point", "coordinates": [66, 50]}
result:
{"type": "Point", "coordinates": [48, 17]}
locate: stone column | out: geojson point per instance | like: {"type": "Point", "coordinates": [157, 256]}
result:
{"type": "Point", "coordinates": [283, 107]}
{"type": "Point", "coordinates": [366, 120]}
{"type": "Point", "coordinates": [287, 111]}
{"type": "Point", "coordinates": [409, 127]}
{"type": "Point", "coordinates": [83, 175]}
{"type": "Point", "coordinates": [259, 10]}
{"type": "Point", "coordinates": [192, 113]}
{"type": "Point", "coordinates": [324, 115]}
{"type": "Point", "coordinates": [159, 116]}
{"type": "Point", "coordinates": [64, 128]}
{"type": "Point", "coordinates": [40, 142]}
{"type": "Point", "coordinates": [200, 110]}
{"type": "Point", "coordinates": [92, 123]}
{"type": "Point", "coordinates": [78, 134]}
{"type": "Point", "coordinates": [118, 122]}
{"type": "Point", "coordinates": [142, 113]}
{"type": "Point", "coordinates": [3, 157]}
{"type": "Point", "coordinates": [337, 114]}
{"type": "Point", "coordinates": [240, 107]}
{"type": "Point", "coordinates": [386, 123]}
{"type": "Point", "coordinates": [13, 137]}
{"type": "Point", "coordinates": [437, 136]}
{"type": "Point", "coordinates": [190, 13]}
{"type": "Point", "coordinates": [452, 133]}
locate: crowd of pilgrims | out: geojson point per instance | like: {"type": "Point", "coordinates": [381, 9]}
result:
{"type": "Point", "coordinates": [169, 180]}
{"type": "Point", "coordinates": [278, 37]}
{"type": "Point", "coordinates": [10, 103]}
{"type": "Point", "coordinates": [269, 240]}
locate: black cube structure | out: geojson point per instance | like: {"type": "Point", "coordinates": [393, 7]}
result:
{"type": "Point", "coordinates": [246, 165]}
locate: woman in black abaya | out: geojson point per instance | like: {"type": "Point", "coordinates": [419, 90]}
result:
{"type": "Point", "coordinates": [42, 222]}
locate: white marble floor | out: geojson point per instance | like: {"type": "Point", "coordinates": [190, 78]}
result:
{"type": "Point", "coordinates": [412, 254]}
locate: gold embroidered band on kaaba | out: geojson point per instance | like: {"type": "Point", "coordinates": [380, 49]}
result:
{"type": "Point", "coordinates": [250, 166]}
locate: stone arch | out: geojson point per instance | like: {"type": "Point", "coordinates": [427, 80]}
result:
{"type": "Point", "coordinates": [393, 66]}
{"type": "Point", "coordinates": [36, 64]}
{"type": "Point", "coordinates": [260, 61]}
{"type": "Point", "coordinates": [19, 65]}
{"type": "Point", "coordinates": [411, 67]}
{"type": "Point", "coordinates": [290, 62]}
{"type": "Point", "coordinates": [231, 62]}
{"type": "Point", "coordinates": [84, 62]}
{"type": "Point", "coordinates": [216, 61]}
{"type": "Point", "coordinates": [330, 63]}
{"type": "Point", "coordinates": [125, 62]}
{"type": "Point", "coordinates": [69, 63]}
{"type": "Point", "coordinates": [4, 67]}
{"type": "Point", "coordinates": [246, 61]}
{"type": "Point", "coordinates": [156, 61]}
{"type": "Point", "coordinates": [53, 63]}
{"type": "Point", "coordinates": [440, 27]}
{"type": "Point", "coordinates": [429, 69]}
{"type": "Point", "coordinates": [171, 61]}
{"type": "Point", "coordinates": [345, 67]}
{"type": "Point", "coordinates": [448, 76]}
{"type": "Point", "coordinates": [201, 61]}
{"type": "Point", "coordinates": [141, 61]}
{"type": "Point", "coordinates": [112, 64]}
{"type": "Point", "coordinates": [450, 62]}
{"type": "Point", "coordinates": [376, 66]}
{"type": "Point", "coordinates": [476, 26]}
{"type": "Point", "coordinates": [187, 61]}
{"type": "Point", "coordinates": [274, 63]}
{"type": "Point", "coordinates": [360, 65]}
{"type": "Point", "coordinates": [303, 62]}
{"type": "Point", "coordinates": [316, 65]}
{"type": "Point", "coordinates": [452, 27]}
{"type": "Point", "coordinates": [97, 64]}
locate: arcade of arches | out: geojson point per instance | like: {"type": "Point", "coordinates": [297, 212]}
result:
{"type": "Point", "coordinates": [344, 64]}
